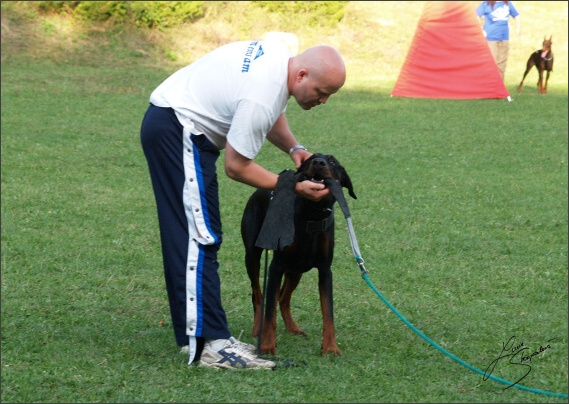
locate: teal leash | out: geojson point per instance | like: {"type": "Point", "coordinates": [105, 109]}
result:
{"type": "Point", "coordinates": [450, 355]}
{"type": "Point", "coordinates": [337, 192]}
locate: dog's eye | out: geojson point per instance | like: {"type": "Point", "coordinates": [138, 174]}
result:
{"type": "Point", "coordinates": [331, 162]}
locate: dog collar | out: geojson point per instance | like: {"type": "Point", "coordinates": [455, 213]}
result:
{"type": "Point", "coordinates": [320, 225]}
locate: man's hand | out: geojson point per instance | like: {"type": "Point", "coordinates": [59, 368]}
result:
{"type": "Point", "coordinates": [298, 156]}
{"type": "Point", "coordinates": [311, 190]}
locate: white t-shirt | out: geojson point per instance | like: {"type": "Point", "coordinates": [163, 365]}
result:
{"type": "Point", "coordinates": [235, 94]}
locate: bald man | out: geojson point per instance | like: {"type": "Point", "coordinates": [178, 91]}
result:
{"type": "Point", "coordinates": [232, 98]}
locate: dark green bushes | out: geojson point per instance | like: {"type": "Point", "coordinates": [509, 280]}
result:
{"type": "Point", "coordinates": [151, 14]}
{"type": "Point", "coordinates": [321, 12]}
{"type": "Point", "coordinates": [162, 14]}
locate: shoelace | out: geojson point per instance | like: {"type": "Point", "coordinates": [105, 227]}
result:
{"type": "Point", "coordinates": [238, 341]}
{"type": "Point", "coordinates": [240, 349]}
{"type": "Point", "coordinates": [241, 345]}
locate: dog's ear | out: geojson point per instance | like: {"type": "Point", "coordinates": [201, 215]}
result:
{"type": "Point", "coordinates": [346, 182]}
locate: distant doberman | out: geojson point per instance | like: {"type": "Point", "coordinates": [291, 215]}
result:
{"type": "Point", "coordinates": [542, 59]}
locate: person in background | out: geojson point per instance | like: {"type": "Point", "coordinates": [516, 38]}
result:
{"type": "Point", "coordinates": [496, 16]}
{"type": "Point", "coordinates": [232, 98]}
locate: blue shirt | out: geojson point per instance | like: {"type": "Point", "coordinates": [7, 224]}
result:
{"type": "Point", "coordinates": [496, 19]}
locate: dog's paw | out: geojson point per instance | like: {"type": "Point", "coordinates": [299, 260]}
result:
{"type": "Point", "coordinates": [268, 350]}
{"type": "Point", "coordinates": [331, 350]}
{"type": "Point", "coordinates": [334, 353]}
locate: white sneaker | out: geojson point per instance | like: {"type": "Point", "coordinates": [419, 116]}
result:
{"type": "Point", "coordinates": [233, 355]}
{"type": "Point", "coordinates": [249, 347]}
{"type": "Point", "coordinates": [185, 350]}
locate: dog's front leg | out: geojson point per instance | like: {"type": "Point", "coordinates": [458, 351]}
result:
{"type": "Point", "coordinates": [546, 80]}
{"type": "Point", "coordinates": [540, 68]}
{"type": "Point", "coordinates": [269, 333]}
{"type": "Point", "coordinates": [329, 345]}
{"type": "Point", "coordinates": [529, 65]}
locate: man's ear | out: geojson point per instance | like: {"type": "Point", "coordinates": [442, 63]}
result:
{"type": "Point", "coordinates": [302, 74]}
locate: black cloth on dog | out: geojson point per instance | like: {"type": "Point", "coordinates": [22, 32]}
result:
{"type": "Point", "coordinates": [336, 191]}
{"type": "Point", "coordinates": [277, 231]}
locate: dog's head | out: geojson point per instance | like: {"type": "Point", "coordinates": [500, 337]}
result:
{"type": "Point", "coordinates": [320, 167]}
{"type": "Point", "coordinates": [546, 45]}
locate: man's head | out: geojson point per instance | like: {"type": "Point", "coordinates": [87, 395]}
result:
{"type": "Point", "coordinates": [314, 75]}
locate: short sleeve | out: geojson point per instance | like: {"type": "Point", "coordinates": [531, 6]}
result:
{"type": "Point", "coordinates": [249, 127]}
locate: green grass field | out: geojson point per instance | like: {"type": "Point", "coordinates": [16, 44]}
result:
{"type": "Point", "coordinates": [461, 218]}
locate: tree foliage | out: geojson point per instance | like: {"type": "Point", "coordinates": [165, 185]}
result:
{"type": "Point", "coordinates": [163, 14]}
{"type": "Point", "coordinates": [151, 14]}
{"type": "Point", "coordinates": [321, 12]}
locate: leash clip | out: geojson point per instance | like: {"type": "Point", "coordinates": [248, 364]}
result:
{"type": "Point", "coordinates": [360, 262]}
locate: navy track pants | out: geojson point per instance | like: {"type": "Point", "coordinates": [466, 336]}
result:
{"type": "Point", "coordinates": [183, 173]}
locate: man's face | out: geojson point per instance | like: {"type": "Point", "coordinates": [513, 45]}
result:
{"type": "Point", "coordinates": [312, 90]}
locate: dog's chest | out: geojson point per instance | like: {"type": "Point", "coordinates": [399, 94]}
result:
{"type": "Point", "coordinates": [309, 250]}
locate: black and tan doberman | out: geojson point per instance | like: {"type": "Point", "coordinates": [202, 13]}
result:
{"type": "Point", "coordinates": [542, 59]}
{"type": "Point", "coordinates": [311, 246]}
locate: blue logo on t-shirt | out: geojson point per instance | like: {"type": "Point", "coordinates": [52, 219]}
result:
{"type": "Point", "coordinates": [249, 53]}
{"type": "Point", "coordinates": [501, 13]}
{"type": "Point", "coordinates": [259, 52]}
